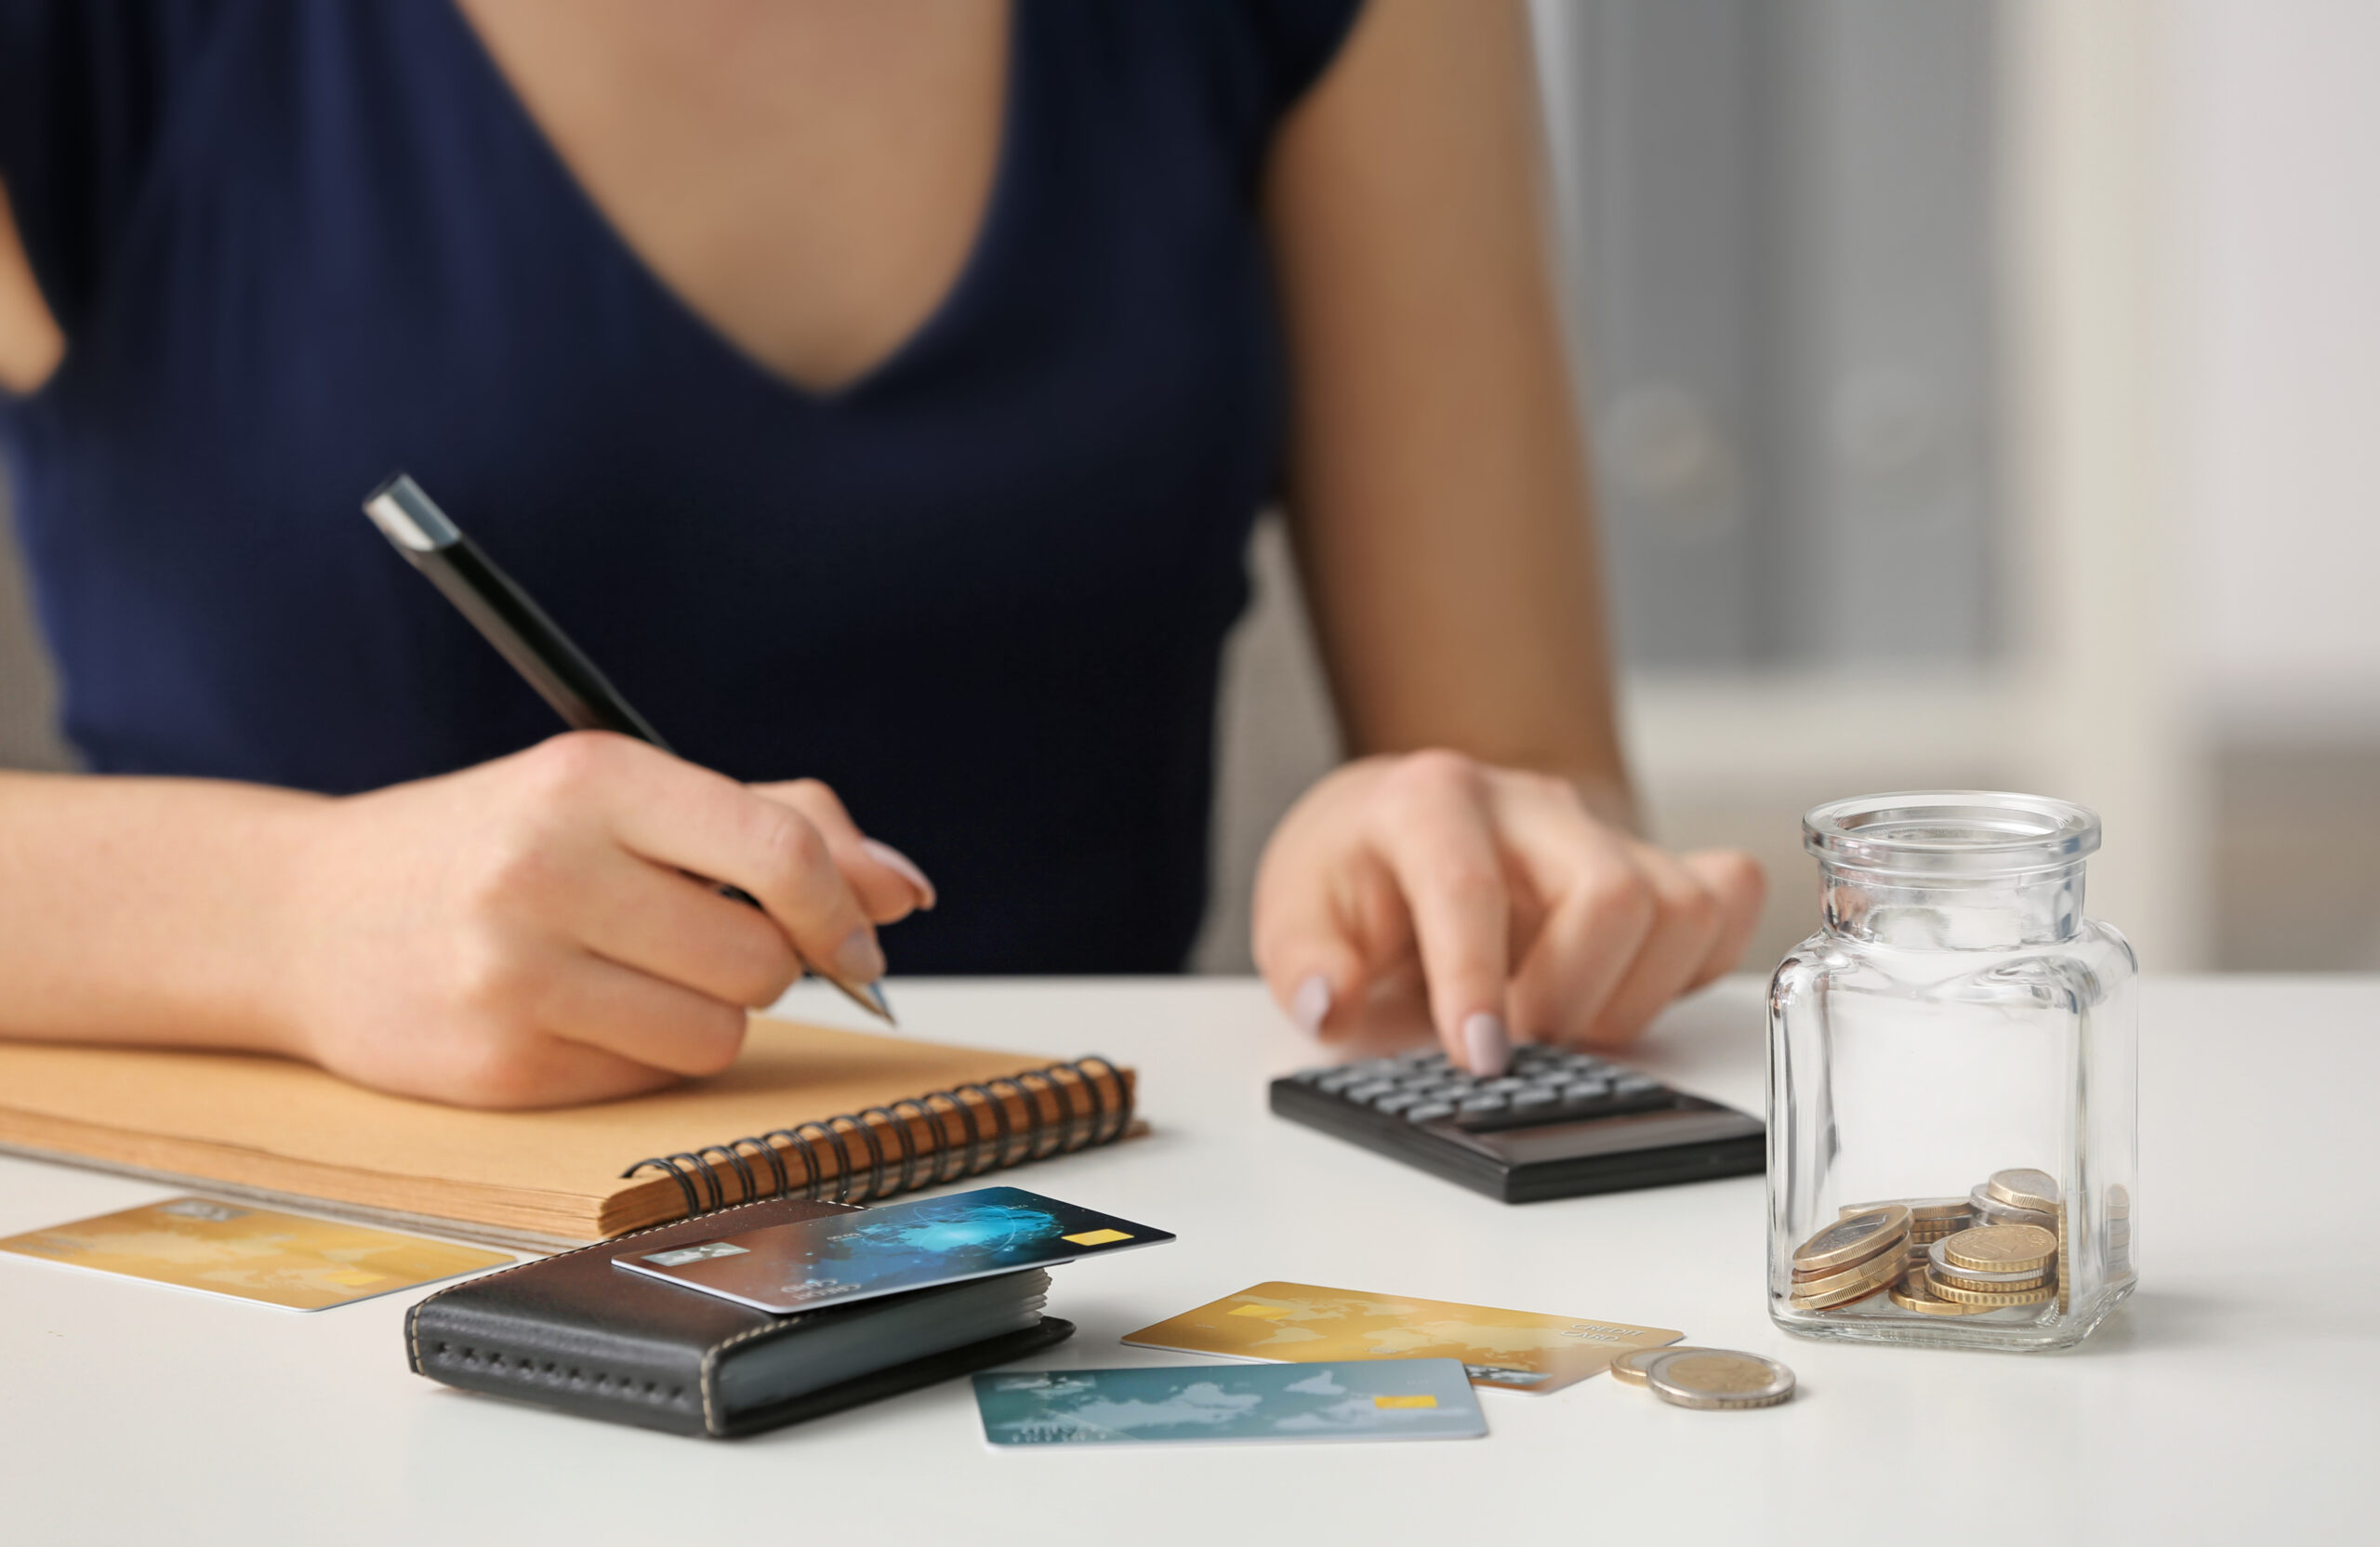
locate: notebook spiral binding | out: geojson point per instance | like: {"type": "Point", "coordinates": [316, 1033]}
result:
{"type": "Point", "coordinates": [701, 1174]}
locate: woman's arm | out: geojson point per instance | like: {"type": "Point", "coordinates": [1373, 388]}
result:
{"type": "Point", "coordinates": [1437, 492]}
{"type": "Point", "coordinates": [1478, 866]}
{"type": "Point", "coordinates": [31, 344]}
{"type": "Point", "coordinates": [521, 933]}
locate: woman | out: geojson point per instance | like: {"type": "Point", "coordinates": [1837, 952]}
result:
{"type": "Point", "coordinates": [883, 393]}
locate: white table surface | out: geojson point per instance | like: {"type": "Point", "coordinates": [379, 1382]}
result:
{"type": "Point", "coordinates": [2236, 1397]}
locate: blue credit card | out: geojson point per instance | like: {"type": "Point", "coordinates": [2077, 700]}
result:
{"type": "Point", "coordinates": [1231, 1405]}
{"type": "Point", "coordinates": [841, 1258]}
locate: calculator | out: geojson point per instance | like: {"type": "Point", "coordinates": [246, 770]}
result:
{"type": "Point", "coordinates": [1559, 1123]}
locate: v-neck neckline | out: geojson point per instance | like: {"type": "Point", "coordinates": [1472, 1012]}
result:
{"type": "Point", "coordinates": [938, 320]}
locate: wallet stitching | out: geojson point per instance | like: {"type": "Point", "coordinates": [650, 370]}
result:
{"type": "Point", "coordinates": [413, 1318]}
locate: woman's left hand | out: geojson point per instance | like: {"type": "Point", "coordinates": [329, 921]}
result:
{"type": "Point", "coordinates": [1488, 902]}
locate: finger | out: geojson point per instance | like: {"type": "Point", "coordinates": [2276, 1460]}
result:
{"type": "Point", "coordinates": [639, 1017]}
{"type": "Point", "coordinates": [1741, 887]}
{"type": "Point", "coordinates": [675, 813]}
{"type": "Point", "coordinates": [888, 882]}
{"type": "Point", "coordinates": [1434, 835]}
{"type": "Point", "coordinates": [659, 921]}
{"type": "Point", "coordinates": [1307, 943]}
{"type": "Point", "coordinates": [1583, 952]}
{"type": "Point", "coordinates": [1685, 920]}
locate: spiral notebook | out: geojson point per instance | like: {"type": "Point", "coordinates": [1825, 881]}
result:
{"type": "Point", "coordinates": [807, 1112]}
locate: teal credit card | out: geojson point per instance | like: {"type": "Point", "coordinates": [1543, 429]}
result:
{"type": "Point", "coordinates": [1230, 1405]}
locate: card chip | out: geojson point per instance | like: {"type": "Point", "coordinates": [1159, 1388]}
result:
{"type": "Point", "coordinates": [1098, 1237]}
{"type": "Point", "coordinates": [1269, 1313]}
{"type": "Point", "coordinates": [1421, 1401]}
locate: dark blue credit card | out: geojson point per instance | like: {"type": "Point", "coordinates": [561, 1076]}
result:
{"type": "Point", "coordinates": [839, 1257]}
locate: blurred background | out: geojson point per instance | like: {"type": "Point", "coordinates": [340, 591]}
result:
{"type": "Point", "coordinates": [1981, 394]}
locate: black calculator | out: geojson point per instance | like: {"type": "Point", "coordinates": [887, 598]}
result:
{"type": "Point", "coordinates": [1557, 1124]}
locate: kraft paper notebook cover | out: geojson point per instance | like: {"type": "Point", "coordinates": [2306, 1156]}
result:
{"type": "Point", "coordinates": [807, 1111]}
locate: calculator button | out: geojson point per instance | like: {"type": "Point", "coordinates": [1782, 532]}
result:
{"type": "Point", "coordinates": [1493, 1103]}
{"type": "Point", "coordinates": [1586, 1089]}
{"type": "Point", "coordinates": [1429, 1111]}
{"type": "Point", "coordinates": [1338, 1080]}
{"type": "Point", "coordinates": [1505, 1086]}
{"type": "Point", "coordinates": [1629, 1085]}
{"type": "Point", "coordinates": [1533, 1098]}
{"type": "Point", "coordinates": [1370, 1090]}
{"type": "Point", "coordinates": [1396, 1101]}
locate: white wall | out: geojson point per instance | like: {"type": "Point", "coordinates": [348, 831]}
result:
{"type": "Point", "coordinates": [2273, 202]}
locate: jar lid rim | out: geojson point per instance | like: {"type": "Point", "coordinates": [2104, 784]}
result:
{"type": "Point", "coordinates": [1951, 829]}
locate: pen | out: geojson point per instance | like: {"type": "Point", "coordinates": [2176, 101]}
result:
{"type": "Point", "coordinates": [534, 643]}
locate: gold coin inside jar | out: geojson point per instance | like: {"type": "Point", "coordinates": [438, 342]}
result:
{"type": "Point", "coordinates": [2001, 1248]}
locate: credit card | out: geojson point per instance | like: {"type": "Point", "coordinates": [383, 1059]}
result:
{"type": "Point", "coordinates": [1207, 1405]}
{"type": "Point", "coordinates": [839, 1257]}
{"type": "Point", "coordinates": [228, 1249]}
{"type": "Point", "coordinates": [1304, 1324]}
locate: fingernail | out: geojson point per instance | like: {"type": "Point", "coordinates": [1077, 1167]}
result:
{"type": "Point", "coordinates": [859, 958]}
{"type": "Point", "coordinates": [1484, 1036]}
{"type": "Point", "coordinates": [894, 860]}
{"type": "Point", "coordinates": [1310, 1006]}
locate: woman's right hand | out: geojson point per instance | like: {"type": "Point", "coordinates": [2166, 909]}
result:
{"type": "Point", "coordinates": [530, 933]}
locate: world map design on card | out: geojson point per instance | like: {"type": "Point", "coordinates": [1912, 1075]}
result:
{"type": "Point", "coordinates": [1204, 1404]}
{"type": "Point", "coordinates": [1306, 1323]}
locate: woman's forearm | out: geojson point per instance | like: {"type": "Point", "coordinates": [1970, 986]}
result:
{"type": "Point", "coordinates": [145, 910]}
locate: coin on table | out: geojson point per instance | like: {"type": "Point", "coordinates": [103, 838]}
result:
{"type": "Point", "coordinates": [1910, 1294]}
{"type": "Point", "coordinates": [2001, 1249]}
{"type": "Point", "coordinates": [1718, 1378]}
{"type": "Point", "coordinates": [1853, 1239]}
{"type": "Point", "coordinates": [2024, 1188]}
{"type": "Point", "coordinates": [1986, 1300]}
{"type": "Point", "coordinates": [1628, 1369]}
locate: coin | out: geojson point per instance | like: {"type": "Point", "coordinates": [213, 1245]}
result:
{"type": "Point", "coordinates": [1854, 1239]}
{"type": "Point", "coordinates": [2065, 1270]}
{"type": "Point", "coordinates": [2001, 1248]}
{"type": "Point", "coordinates": [2119, 1201]}
{"type": "Point", "coordinates": [1988, 1300]}
{"type": "Point", "coordinates": [1910, 1294]}
{"type": "Point", "coordinates": [1920, 1208]}
{"type": "Point", "coordinates": [1938, 1258]}
{"type": "Point", "coordinates": [1628, 1369]}
{"type": "Point", "coordinates": [1718, 1378]}
{"type": "Point", "coordinates": [2026, 1188]}
{"type": "Point", "coordinates": [1858, 1284]}
{"type": "Point", "coordinates": [1990, 1211]}
{"type": "Point", "coordinates": [1885, 1268]}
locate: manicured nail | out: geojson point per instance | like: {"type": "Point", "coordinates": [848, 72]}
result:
{"type": "Point", "coordinates": [859, 958]}
{"type": "Point", "coordinates": [1310, 1006]}
{"type": "Point", "coordinates": [894, 860]}
{"type": "Point", "coordinates": [1484, 1036]}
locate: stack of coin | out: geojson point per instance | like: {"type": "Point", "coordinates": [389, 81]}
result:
{"type": "Point", "coordinates": [1712, 1379]}
{"type": "Point", "coordinates": [1993, 1267]}
{"type": "Point", "coordinates": [1858, 1255]}
{"type": "Point", "coordinates": [2003, 1244]}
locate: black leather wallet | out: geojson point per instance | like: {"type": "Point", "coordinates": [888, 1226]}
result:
{"type": "Point", "coordinates": [575, 1333]}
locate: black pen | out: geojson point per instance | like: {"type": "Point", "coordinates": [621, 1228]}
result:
{"type": "Point", "coordinates": [532, 642]}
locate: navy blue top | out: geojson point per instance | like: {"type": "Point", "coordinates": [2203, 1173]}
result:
{"type": "Point", "coordinates": [981, 591]}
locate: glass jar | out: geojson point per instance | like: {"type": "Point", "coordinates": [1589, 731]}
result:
{"type": "Point", "coordinates": [1953, 1063]}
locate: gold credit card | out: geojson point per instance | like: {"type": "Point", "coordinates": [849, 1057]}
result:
{"type": "Point", "coordinates": [1302, 1324]}
{"type": "Point", "coordinates": [306, 1264]}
